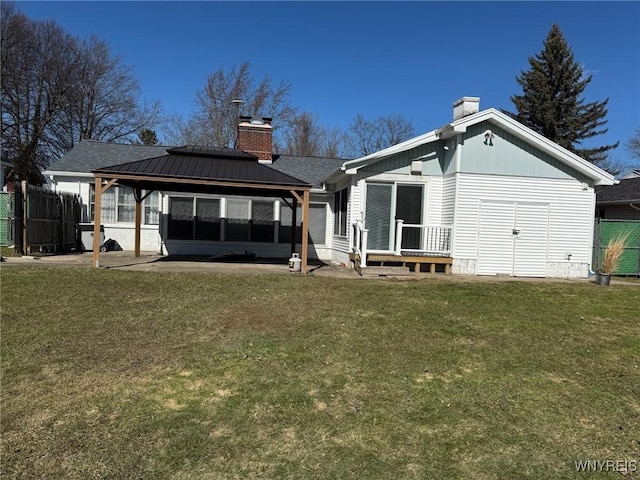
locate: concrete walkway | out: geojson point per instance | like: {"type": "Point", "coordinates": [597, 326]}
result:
{"type": "Point", "coordinates": [151, 262]}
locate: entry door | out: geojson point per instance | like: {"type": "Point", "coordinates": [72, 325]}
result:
{"type": "Point", "coordinates": [387, 202]}
{"type": "Point", "coordinates": [409, 208]}
{"type": "Point", "coordinates": [513, 239]}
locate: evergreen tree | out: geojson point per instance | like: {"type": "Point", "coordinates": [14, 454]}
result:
{"type": "Point", "coordinates": [147, 136]}
{"type": "Point", "coordinates": [552, 104]}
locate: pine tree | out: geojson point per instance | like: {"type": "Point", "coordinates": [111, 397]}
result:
{"type": "Point", "coordinates": [552, 103]}
{"type": "Point", "coordinates": [147, 136]}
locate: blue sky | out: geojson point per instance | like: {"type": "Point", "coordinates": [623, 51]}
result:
{"type": "Point", "coordinates": [372, 58]}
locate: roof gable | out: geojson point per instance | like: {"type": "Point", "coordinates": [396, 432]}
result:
{"type": "Point", "coordinates": [597, 175]}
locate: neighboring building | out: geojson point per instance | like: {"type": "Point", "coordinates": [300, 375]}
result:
{"type": "Point", "coordinates": [482, 195]}
{"type": "Point", "coordinates": [620, 201]}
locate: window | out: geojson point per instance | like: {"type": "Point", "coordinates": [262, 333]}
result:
{"type": "Point", "coordinates": [237, 228]}
{"type": "Point", "coordinates": [317, 223]}
{"type": "Point", "coordinates": [151, 210]}
{"type": "Point", "coordinates": [118, 206]}
{"type": "Point", "coordinates": [180, 218]}
{"type": "Point", "coordinates": [340, 201]}
{"type": "Point", "coordinates": [126, 206]}
{"type": "Point", "coordinates": [207, 219]}
{"type": "Point", "coordinates": [262, 221]}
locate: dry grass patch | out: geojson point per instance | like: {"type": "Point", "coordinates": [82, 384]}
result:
{"type": "Point", "coordinates": [114, 374]}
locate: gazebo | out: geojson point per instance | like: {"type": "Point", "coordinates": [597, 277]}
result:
{"type": "Point", "coordinates": [207, 170]}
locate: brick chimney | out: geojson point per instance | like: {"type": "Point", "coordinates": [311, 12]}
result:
{"type": "Point", "coordinates": [256, 137]}
{"type": "Point", "coordinates": [465, 106]}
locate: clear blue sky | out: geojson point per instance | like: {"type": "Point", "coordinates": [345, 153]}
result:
{"type": "Point", "coordinates": [373, 58]}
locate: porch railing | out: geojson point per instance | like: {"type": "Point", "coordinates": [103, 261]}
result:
{"type": "Point", "coordinates": [424, 239]}
{"type": "Point", "coordinates": [358, 243]}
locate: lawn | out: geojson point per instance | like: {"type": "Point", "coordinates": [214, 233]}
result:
{"type": "Point", "coordinates": [122, 374]}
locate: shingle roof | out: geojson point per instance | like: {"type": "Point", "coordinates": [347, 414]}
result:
{"type": "Point", "coordinates": [310, 169]}
{"type": "Point", "coordinates": [90, 155]}
{"type": "Point", "coordinates": [627, 191]}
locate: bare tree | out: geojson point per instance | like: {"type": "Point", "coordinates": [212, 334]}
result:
{"type": "Point", "coordinates": [216, 118]}
{"type": "Point", "coordinates": [57, 90]}
{"type": "Point", "coordinates": [305, 136]}
{"type": "Point", "coordinates": [633, 145]}
{"type": "Point", "coordinates": [37, 68]}
{"type": "Point", "coordinates": [334, 143]}
{"type": "Point", "coordinates": [105, 101]}
{"type": "Point", "coordinates": [369, 136]}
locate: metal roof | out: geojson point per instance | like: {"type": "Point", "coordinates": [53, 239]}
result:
{"type": "Point", "coordinates": [200, 169]}
{"type": "Point", "coordinates": [90, 155]}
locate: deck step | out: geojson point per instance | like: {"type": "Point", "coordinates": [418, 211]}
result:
{"type": "Point", "coordinates": [386, 271]}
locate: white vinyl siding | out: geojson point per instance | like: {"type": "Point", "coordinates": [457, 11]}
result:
{"type": "Point", "coordinates": [448, 199]}
{"type": "Point", "coordinates": [435, 202]}
{"type": "Point", "coordinates": [569, 218]}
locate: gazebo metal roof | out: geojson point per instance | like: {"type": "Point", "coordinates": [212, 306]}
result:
{"type": "Point", "coordinates": [196, 169]}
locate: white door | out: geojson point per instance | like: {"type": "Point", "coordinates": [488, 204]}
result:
{"type": "Point", "coordinates": [531, 241]}
{"type": "Point", "coordinates": [513, 239]}
{"type": "Point", "coordinates": [495, 242]}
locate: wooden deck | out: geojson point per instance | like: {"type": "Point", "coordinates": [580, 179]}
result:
{"type": "Point", "coordinates": [416, 263]}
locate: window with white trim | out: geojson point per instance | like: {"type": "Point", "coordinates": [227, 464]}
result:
{"type": "Point", "coordinates": [340, 202]}
{"type": "Point", "coordinates": [118, 205]}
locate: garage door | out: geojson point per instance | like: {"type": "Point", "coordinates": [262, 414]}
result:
{"type": "Point", "coordinates": [513, 239]}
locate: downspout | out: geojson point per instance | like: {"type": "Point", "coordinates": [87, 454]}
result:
{"type": "Point", "coordinates": [592, 209]}
{"type": "Point", "coordinates": [457, 162]}
{"type": "Point", "coordinates": [635, 207]}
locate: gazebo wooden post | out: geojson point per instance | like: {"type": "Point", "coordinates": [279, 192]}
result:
{"type": "Point", "coordinates": [138, 197]}
{"type": "Point", "coordinates": [304, 200]}
{"type": "Point", "coordinates": [96, 221]}
{"type": "Point", "coordinates": [305, 230]}
{"type": "Point", "coordinates": [294, 220]}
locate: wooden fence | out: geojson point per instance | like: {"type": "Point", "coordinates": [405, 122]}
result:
{"type": "Point", "coordinates": [46, 221]}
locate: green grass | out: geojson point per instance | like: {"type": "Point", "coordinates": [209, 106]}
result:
{"type": "Point", "coordinates": [8, 251]}
{"type": "Point", "coordinates": [122, 374]}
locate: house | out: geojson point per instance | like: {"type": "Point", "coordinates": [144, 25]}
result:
{"type": "Point", "coordinates": [181, 222]}
{"type": "Point", "coordinates": [482, 195]}
{"type": "Point", "coordinates": [620, 201]}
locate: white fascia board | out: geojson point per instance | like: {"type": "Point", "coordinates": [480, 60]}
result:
{"type": "Point", "coordinates": [599, 176]}
{"type": "Point", "coordinates": [55, 173]}
{"type": "Point", "coordinates": [351, 167]}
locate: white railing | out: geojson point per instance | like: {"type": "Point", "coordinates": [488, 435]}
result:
{"type": "Point", "coordinates": [358, 242]}
{"type": "Point", "coordinates": [426, 239]}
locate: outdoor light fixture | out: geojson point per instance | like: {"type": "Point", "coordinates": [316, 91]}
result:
{"type": "Point", "coordinates": [488, 138]}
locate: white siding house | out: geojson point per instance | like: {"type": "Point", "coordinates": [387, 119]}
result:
{"type": "Point", "coordinates": [482, 195]}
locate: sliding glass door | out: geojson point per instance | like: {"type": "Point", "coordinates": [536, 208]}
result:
{"type": "Point", "coordinates": [387, 202]}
